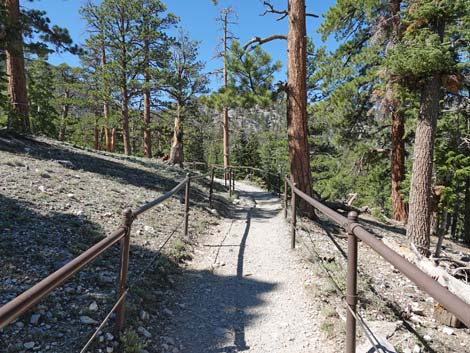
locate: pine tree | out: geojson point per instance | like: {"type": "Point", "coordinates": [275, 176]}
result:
{"type": "Point", "coordinates": [26, 30]}
{"type": "Point", "coordinates": [425, 56]}
{"type": "Point", "coordinates": [41, 94]}
{"type": "Point", "coordinates": [155, 45]}
{"type": "Point", "coordinates": [68, 96]}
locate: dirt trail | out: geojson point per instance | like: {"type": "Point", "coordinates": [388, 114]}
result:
{"type": "Point", "coordinates": [245, 290]}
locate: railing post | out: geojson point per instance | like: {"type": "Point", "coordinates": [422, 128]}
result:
{"type": "Point", "coordinates": [294, 217]}
{"type": "Point", "coordinates": [351, 286]}
{"type": "Point", "coordinates": [279, 183]}
{"type": "Point", "coordinates": [127, 220]}
{"type": "Point", "coordinates": [211, 188]}
{"type": "Point", "coordinates": [186, 204]}
{"type": "Point", "coordinates": [285, 197]}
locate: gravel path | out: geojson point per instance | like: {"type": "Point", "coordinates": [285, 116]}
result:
{"type": "Point", "coordinates": [245, 289]}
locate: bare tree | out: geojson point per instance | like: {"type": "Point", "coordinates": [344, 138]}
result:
{"type": "Point", "coordinates": [225, 17]}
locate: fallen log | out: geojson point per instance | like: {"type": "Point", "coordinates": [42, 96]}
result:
{"type": "Point", "coordinates": [455, 286]}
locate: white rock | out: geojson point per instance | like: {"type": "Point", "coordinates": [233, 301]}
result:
{"type": "Point", "coordinates": [416, 349]}
{"type": "Point", "coordinates": [93, 306]}
{"type": "Point", "coordinates": [149, 229]}
{"type": "Point", "coordinates": [427, 338]}
{"type": "Point", "coordinates": [144, 316]}
{"type": "Point", "coordinates": [109, 336]}
{"type": "Point", "coordinates": [34, 319]}
{"type": "Point", "coordinates": [87, 320]}
{"type": "Point", "coordinates": [144, 332]}
{"type": "Point", "coordinates": [28, 345]}
{"type": "Point", "coordinates": [168, 312]}
{"type": "Point", "coordinates": [448, 330]}
{"type": "Point", "coordinates": [109, 349]}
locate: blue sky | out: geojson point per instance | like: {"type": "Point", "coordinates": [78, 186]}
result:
{"type": "Point", "coordinates": [198, 18]}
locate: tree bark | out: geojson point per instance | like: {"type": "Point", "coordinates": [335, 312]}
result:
{"type": "Point", "coordinates": [299, 153]}
{"type": "Point", "coordinates": [398, 165]}
{"type": "Point", "coordinates": [455, 220]}
{"type": "Point", "coordinates": [176, 153]}
{"type": "Point", "coordinates": [225, 110]}
{"type": "Point", "coordinates": [105, 100]}
{"type": "Point", "coordinates": [96, 136]}
{"type": "Point", "coordinates": [419, 221]}
{"type": "Point", "coordinates": [125, 118]}
{"type": "Point", "coordinates": [65, 114]}
{"type": "Point", "coordinates": [147, 134]}
{"type": "Point", "coordinates": [113, 139]}
{"type": "Point", "coordinates": [466, 227]}
{"type": "Point", "coordinates": [398, 125]}
{"type": "Point", "coordinates": [226, 141]}
{"type": "Point", "coordinates": [18, 118]}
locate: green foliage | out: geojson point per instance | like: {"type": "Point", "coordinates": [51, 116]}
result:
{"type": "Point", "coordinates": [419, 55]}
{"type": "Point", "coordinates": [246, 150]}
{"type": "Point", "coordinates": [40, 96]}
{"type": "Point", "coordinates": [131, 342]}
{"type": "Point", "coordinates": [250, 79]}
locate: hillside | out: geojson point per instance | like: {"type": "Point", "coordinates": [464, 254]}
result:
{"type": "Point", "coordinates": [231, 285]}
{"type": "Point", "coordinates": [55, 202]}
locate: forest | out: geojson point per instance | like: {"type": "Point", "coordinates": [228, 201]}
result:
{"type": "Point", "coordinates": [384, 119]}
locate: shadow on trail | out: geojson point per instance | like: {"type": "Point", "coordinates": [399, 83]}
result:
{"type": "Point", "coordinates": [218, 307]}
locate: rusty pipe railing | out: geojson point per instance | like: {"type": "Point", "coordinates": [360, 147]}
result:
{"type": "Point", "coordinates": [265, 173]}
{"type": "Point", "coordinates": [27, 299]}
{"type": "Point", "coordinates": [13, 309]}
{"type": "Point", "coordinates": [450, 301]}
{"type": "Point", "coordinates": [160, 199]}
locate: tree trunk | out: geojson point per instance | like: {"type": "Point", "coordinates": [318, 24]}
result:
{"type": "Point", "coordinates": [176, 153]}
{"type": "Point", "coordinates": [102, 138]}
{"type": "Point", "coordinates": [226, 141]}
{"type": "Point", "coordinates": [420, 192]}
{"type": "Point", "coordinates": [64, 116]}
{"type": "Point", "coordinates": [107, 138]}
{"type": "Point", "coordinates": [419, 221]}
{"type": "Point", "coordinates": [147, 134]}
{"type": "Point", "coordinates": [455, 220]}
{"type": "Point", "coordinates": [398, 165]}
{"type": "Point", "coordinates": [105, 100]}
{"type": "Point", "coordinates": [125, 118]}
{"type": "Point", "coordinates": [225, 110]}
{"type": "Point", "coordinates": [96, 136]}
{"type": "Point", "coordinates": [113, 139]}
{"type": "Point", "coordinates": [299, 153]}
{"type": "Point", "coordinates": [398, 125]}
{"type": "Point", "coordinates": [466, 227]}
{"type": "Point", "coordinates": [18, 118]}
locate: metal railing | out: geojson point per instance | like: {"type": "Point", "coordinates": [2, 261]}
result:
{"type": "Point", "coordinates": [19, 305]}
{"type": "Point", "coordinates": [355, 231]}
{"type": "Point", "coordinates": [265, 175]}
